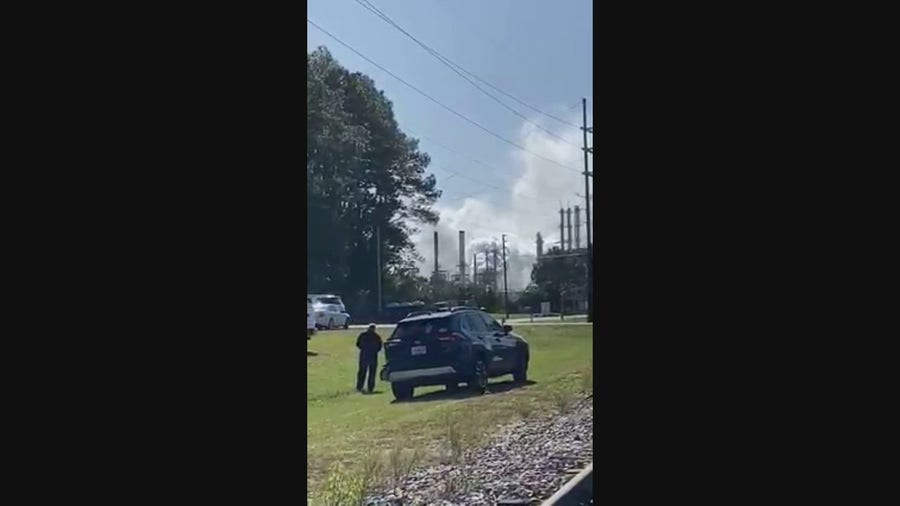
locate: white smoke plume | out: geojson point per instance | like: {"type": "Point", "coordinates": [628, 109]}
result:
{"type": "Point", "coordinates": [534, 201]}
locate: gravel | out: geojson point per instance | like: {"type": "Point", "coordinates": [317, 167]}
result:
{"type": "Point", "coordinates": [525, 463]}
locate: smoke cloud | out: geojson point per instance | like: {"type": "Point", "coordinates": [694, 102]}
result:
{"type": "Point", "coordinates": [533, 205]}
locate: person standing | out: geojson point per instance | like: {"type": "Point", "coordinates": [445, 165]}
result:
{"type": "Point", "coordinates": [369, 344]}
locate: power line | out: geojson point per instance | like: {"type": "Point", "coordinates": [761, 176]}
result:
{"type": "Point", "coordinates": [502, 46]}
{"type": "Point", "coordinates": [429, 97]}
{"type": "Point", "coordinates": [485, 164]}
{"type": "Point", "coordinates": [386, 18]}
{"type": "Point", "coordinates": [453, 66]}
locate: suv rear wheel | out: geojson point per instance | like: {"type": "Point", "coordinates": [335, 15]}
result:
{"type": "Point", "coordinates": [479, 380]}
{"type": "Point", "coordinates": [402, 391]}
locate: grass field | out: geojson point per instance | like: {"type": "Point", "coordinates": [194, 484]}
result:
{"type": "Point", "coordinates": [347, 427]}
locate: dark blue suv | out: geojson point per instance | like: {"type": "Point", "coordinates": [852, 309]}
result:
{"type": "Point", "coordinates": [460, 345]}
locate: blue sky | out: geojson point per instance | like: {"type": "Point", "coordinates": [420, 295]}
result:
{"type": "Point", "coordinates": [539, 51]}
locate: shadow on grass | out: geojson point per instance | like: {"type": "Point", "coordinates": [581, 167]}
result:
{"type": "Point", "coordinates": [311, 354]}
{"type": "Point", "coordinates": [463, 393]}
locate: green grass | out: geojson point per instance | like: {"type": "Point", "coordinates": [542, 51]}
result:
{"type": "Point", "coordinates": [343, 425]}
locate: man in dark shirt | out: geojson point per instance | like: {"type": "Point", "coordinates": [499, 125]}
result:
{"type": "Point", "coordinates": [369, 344]}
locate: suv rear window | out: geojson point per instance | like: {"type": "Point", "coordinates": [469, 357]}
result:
{"type": "Point", "coordinates": [421, 328]}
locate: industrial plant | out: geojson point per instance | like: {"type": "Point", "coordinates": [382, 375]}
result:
{"type": "Point", "coordinates": [486, 266]}
{"type": "Point", "coordinates": [569, 246]}
{"type": "Point", "coordinates": [484, 274]}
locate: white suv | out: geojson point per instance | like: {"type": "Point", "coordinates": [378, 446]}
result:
{"type": "Point", "coordinates": [329, 311]}
{"type": "Point", "coordinates": [310, 319]}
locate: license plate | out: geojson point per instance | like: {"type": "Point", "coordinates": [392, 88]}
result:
{"type": "Point", "coordinates": [417, 350]}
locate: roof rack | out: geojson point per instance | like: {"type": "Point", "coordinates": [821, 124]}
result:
{"type": "Point", "coordinates": [417, 313]}
{"type": "Point", "coordinates": [460, 308]}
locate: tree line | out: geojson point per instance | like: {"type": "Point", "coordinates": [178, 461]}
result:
{"type": "Point", "coordinates": [363, 174]}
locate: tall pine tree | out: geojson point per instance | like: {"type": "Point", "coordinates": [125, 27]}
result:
{"type": "Point", "coordinates": [363, 172]}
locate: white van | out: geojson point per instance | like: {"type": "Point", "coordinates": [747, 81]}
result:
{"type": "Point", "coordinates": [329, 311]}
{"type": "Point", "coordinates": [310, 319]}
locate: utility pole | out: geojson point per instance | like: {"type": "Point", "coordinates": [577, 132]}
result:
{"type": "Point", "coordinates": [587, 213]}
{"type": "Point", "coordinates": [505, 288]}
{"type": "Point", "coordinates": [378, 259]}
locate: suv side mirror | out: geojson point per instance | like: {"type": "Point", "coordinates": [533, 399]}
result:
{"type": "Point", "coordinates": [507, 328]}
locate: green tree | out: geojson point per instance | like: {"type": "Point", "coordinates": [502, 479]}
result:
{"type": "Point", "coordinates": [532, 297]}
{"type": "Point", "coordinates": [363, 173]}
{"type": "Point", "coordinates": [551, 276]}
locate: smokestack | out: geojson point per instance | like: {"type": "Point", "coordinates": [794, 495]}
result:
{"type": "Point", "coordinates": [462, 255]}
{"type": "Point", "coordinates": [569, 220]}
{"type": "Point", "coordinates": [562, 232]}
{"type": "Point", "coordinates": [577, 227]}
{"type": "Point", "coordinates": [540, 245]}
{"type": "Point", "coordinates": [435, 253]}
